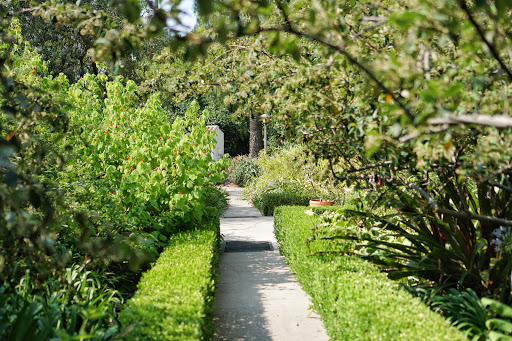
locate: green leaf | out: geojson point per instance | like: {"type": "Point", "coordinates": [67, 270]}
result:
{"type": "Point", "coordinates": [453, 90]}
{"type": "Point", "coordinates": [500, 324]}
{"type": "Point", "coordinates": [502, 309]}
{"type": "Point", "coordinates": [157, 23]}
{"type": "Point", "coordinates": [204, 6]}
{"type": "Point", "coordinates": [495, 336]}
{"type": "Point", "coordinates": [131, 10]}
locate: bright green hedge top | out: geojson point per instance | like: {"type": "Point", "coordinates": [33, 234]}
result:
{"type": "Point", "coordinates": [355, 300]}
{"type": "Point", "coordinates": [175, 299]}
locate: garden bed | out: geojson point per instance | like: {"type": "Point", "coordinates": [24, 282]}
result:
{"type": "Point", "coordinates": [355, 300]}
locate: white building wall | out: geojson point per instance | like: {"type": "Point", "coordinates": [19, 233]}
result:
{"type": "Point", "coordinates": [218, 151]}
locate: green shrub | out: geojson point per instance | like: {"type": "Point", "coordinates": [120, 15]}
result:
{"type": "Point", "coordinates": [465, 310]}
{"type": "Point", "coordinates": [268, 202]}
{"type": "Point", "coordinates": [81, 306]}
{"type": "Point", "coordinates": [500, 325]}
{"type": "Point", "coordinates": [216, 198]}
{"type": "Point", "coordinates": [175, 299]}
{"type": "Point", "coordinates": [355, 300]}
{"type": "Point", "coordinates": [290, 169]}
{"type": "Point", "coordinates": [242, 170]}
{"type": "Point", "coordinates": [480, 318]}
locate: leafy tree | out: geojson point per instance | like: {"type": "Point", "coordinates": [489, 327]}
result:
{"type": "Point", "coordinates": [414, 97]}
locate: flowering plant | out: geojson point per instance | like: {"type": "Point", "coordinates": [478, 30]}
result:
{"type": "Point", "coordinates": [503, 239]}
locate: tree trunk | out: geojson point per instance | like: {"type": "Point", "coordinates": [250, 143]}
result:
{"type": "Point", "coordinates": [255, 135]}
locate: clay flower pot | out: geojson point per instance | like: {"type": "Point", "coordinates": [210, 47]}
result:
{"type": "Point", "coordinates": [320, 202]}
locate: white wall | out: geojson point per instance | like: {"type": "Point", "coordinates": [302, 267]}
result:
{"type": "Point", "coordinates": [218, 151]}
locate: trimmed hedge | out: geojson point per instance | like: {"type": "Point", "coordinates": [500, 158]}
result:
{"type": "Point", "coordinates": [268, 202]}
{"type": "Point", "coordinates": [355, 300]}
{"type": "Point", "coordinates": [176, 297]}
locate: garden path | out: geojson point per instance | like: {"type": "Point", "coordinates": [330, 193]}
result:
{"type": "Point", "coordinates": [258, 297]}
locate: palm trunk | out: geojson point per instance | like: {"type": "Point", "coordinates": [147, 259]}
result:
{"type": "Point", "coordinates": [255, 135]}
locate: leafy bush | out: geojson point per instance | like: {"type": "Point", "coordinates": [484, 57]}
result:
{"type": "Point", "coordinates": [441, 251]}
{"type": "Point", "coordinates": [269, 201]}
{"type": "Point", "coordinates": [217, 199]}
{"type": "Point", "coordinates": [158, 173]}
{"type": "Point", "coordinates": [290, 169]}
{"type": "Point", "coordinates": [92, 172]}
{"type": "Point", "coordinates": [81, 306]}
{"type": "Point", "coordinates": [98, 170]}
{"type": "Point", "coordinates": [242, 170]}
{"type": "Point", "coordinates": [500, 325]}
{"type": "Point", "coordinates": [355, 300]}
{"type": "Point", "coordinates": [465, 310]}
{"type": "Point", "coordinates": [480, 318]}
{"type": "Point", "coordinates": [175, 299]}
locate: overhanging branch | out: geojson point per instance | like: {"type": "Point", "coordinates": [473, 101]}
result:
{"type": "Point", "coordinates": [497, 121]}
{"type": "Point", "coordinates": [433, 203]}
{"type": "Point", "coordinates": [463, 5]}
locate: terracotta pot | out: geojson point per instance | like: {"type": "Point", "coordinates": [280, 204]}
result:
{"type": "Point", "coordinates": [320, 203]}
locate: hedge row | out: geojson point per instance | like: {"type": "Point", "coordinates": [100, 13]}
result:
{"type": "Point", "coordinates": [268, 202]}
{"type": "Point", "coordinates": [355, 300]}
{"type": "Point", "coordinates": [175, 299]}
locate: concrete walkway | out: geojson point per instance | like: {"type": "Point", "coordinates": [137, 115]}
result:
{"type": "Point", "coordinates": [258, 298]}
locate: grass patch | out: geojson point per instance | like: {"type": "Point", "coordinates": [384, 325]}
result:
{"type": "Point", "coordinates": [175, 298]}
{"type": "Point", "coordinates": [355, 300]}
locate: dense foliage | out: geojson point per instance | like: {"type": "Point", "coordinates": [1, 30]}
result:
{"type": "Point", "coordinates": [268, 202]}
{"type": "Point", "coordinates": [242, 170]}
{"type": "Point", "coordinates": [412, 98]}
{"type": "Point", "coordinates": [95, 179]}
{"type": "Point", "coordinates": [407, 101]}
{"type": "Point", "coordinates": [290, 169]}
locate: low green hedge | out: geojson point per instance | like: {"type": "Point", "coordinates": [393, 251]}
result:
{"type": "Point", "coordinates": [355, 300]}
{"type": "Point", "coordinates": [268, 202]}
{"type": "Point", "coordinates": [175, 298]}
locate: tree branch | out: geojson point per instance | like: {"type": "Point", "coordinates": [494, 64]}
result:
{"type": "Point", "coordinates": [497, 121]}
{"type": "Point", "coordinates": [503, 187]}
{"type": "Point", "coordinates": [463, 5]}
{"type": "Point", "coordinates": [377, 23]}
{"type": "Point", "coordinates": [435, 206]}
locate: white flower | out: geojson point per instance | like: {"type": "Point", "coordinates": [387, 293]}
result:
{"type": "Point", "coordinates": [503, 238]}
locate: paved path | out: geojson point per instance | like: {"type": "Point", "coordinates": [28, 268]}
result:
{"type": "Point", "coordinates": [258, 298]}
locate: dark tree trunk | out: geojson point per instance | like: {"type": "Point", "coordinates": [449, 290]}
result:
{"type": "Point", "coordinates": [255, 135]}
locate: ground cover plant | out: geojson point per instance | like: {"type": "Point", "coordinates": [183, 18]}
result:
{"type": "Point", "coordinates": [354, 298]}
